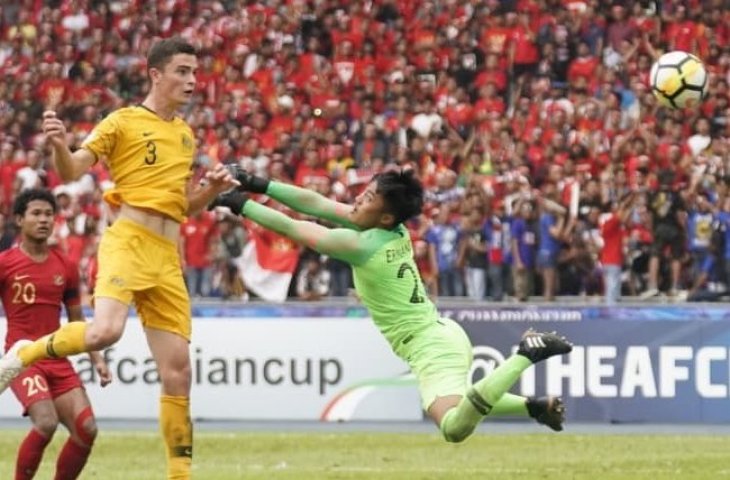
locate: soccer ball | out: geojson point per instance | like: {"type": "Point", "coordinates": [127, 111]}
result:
{"type": "Point", "coordinates": [678, 79]}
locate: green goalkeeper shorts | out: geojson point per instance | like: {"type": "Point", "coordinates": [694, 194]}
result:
{"type": "Point", "coordinates": [440, 357]}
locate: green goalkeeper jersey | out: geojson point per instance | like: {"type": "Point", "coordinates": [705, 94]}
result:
{"type": "Point", "coordinates": [389, 285]}
{"type": "Point", "coordinates": [386, 277]}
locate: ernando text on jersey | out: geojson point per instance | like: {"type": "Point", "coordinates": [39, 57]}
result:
{"type": "Point", "coordinates": [399, 253]}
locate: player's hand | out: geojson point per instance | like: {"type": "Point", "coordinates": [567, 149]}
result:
{"type": "Point", "coordinates": [219, 178]}
{"type": "Point", "coordinates": [235, 200]}
{"type": "Point", "coordinates": [105, 376]}
{"type": "Point", "coordinates": [249, 182]}
{"type": "Point", "coordinates": [54, 129]}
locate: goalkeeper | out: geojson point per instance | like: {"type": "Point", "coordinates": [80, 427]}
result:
{"type": "Point", "coordinates": [374, 241]}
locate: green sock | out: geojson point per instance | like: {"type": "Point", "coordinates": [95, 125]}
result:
{"type": "Point", "coordinates": [493, 386]}
{"type": "Point", "coordinates": [486, 396]}
{"type": "Point", "coordinates": [510, 405]}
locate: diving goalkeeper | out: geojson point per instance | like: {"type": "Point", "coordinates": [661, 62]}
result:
{"type": "Point", "coordinates": [374, 241]}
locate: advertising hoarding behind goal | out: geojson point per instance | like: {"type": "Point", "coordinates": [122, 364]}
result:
{"type": "Point", "coordinates": [638, 367]}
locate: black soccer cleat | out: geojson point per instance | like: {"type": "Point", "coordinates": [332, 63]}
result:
{"type": "Point", "coordinates": [548, 411]}
{"type": "Point", "coordinates": [538, 346]}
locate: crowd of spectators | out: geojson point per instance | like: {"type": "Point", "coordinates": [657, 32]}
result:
{"type": "Point", "coordinates": [550, 169]}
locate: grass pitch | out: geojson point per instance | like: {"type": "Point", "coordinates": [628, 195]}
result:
{"type": "Point", "coordinates": [123, 455]}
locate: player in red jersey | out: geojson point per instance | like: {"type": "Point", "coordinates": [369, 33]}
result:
{"type": "Point", "coordinates": [35, 280]}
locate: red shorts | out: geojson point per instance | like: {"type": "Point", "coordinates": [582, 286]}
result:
{"type": "Point", "coordinates": [45, 380]}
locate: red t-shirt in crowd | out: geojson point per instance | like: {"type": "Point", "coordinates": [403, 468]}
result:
{"type": "Point", "coordinates": [612, 232]}
{"type": "Point", "coordinates": [525, 48]}
{"type": "Point", "coordinates": [582, 67]}
{"type": "Point", "coordinates": [197, 234]}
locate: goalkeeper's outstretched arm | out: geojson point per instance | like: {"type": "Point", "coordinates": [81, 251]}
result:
{"type": "Point", "coordinates": [299, 199]}
{"type": "Point", "coordinates": [341, 243]}
{"type": "Point", "coordinates": [310, 203]}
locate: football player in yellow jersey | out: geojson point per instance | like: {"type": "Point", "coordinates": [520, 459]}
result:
{"type": "Point", "coordinates": [149, 152]}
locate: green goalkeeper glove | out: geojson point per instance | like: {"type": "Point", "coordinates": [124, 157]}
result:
{"type": "Point", "coordinates": [249, 182]}
{"type": "Point", "coordinates": [233, 199]}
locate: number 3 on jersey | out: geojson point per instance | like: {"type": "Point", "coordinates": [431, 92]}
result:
{"type": "Point", "coordinates": [151, 156]}
{"type": "Point", "coordinates": [415, 296]}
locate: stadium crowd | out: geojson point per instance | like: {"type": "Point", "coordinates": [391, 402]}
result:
{"type": "Point", "coordinates": [550, 168]}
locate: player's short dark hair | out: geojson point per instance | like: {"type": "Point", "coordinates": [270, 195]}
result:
{"type": "Point", "coordinates": [163, 50]}
{"type": "Point", "coordinates": [26, 196]}
{"type": "Point", "coordinates": [402, 193]}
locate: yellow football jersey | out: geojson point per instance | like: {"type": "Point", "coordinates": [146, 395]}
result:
{"type": "Point", "coordinates": [149, 159]}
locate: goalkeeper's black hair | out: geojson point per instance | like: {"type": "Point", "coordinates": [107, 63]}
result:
{"type": "Point", "coordinates": [402, 193]}
{"type": "Point", "coordinates": [27, 196]}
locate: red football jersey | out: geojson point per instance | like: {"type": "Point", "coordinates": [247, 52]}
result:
{"type": "Point", "coordinates": [32, 292]}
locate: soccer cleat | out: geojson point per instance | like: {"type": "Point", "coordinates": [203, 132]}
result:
{"type": "Point", "coordinates": [537, 346]}
{"type": "Point", "coordinates": [548, 411]}
{"type": "Point", "coordinates": [10, 364]}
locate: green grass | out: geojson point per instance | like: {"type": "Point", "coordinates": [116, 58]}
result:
{"type": "Point", "coordinates": [224, 456]}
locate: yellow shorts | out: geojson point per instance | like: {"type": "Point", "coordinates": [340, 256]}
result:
{"type": "Point", "coordinates": [136, 264]}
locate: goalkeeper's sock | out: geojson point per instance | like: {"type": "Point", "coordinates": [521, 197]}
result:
{"type": "Point", "coordinates": [67, 340]}
{"type": "Point", "coordinates": [461, 421]}
{"type": "Point", "coordinates": [492, 387]}
{"type": "Point", "coordinates": [177, 431]}
{"type": "Point", "coordinates": [510, 405]}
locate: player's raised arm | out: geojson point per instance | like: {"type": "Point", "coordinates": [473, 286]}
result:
{"type": "Point", "coordinates": [70, 165]}
{"type": "Point", "coordinates": [341, 243]}
{"type": "Point", "coordinates": [296, 198]}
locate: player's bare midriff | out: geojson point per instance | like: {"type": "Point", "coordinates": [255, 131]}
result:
{"type": "Point", "coordinates": [153, 220]}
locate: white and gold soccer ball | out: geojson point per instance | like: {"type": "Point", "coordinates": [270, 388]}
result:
{"type": "Point", "coordinates": [678, 80]}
